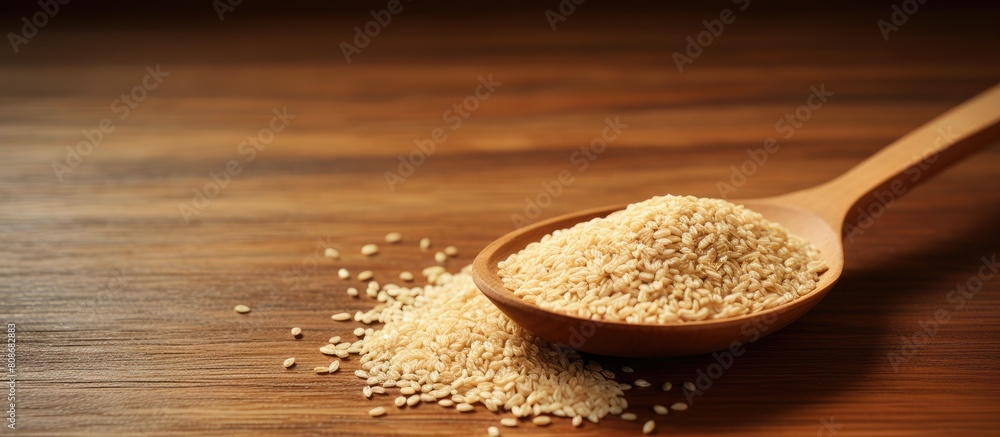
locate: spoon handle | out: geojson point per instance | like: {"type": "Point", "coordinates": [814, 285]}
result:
{"type": "Point", "coordinates": [878, 181]}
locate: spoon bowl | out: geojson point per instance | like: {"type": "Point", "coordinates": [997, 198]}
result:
{"type": "Point", "coordinates": [817, 214]}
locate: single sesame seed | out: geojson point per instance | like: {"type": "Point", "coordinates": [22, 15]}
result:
{"type": "Point", "coordinates": [289, 362]}
{"type": "Point", "coordinates": [541, 420]}
{"type": "Point", "coordinates": [393, 237]}
{"type": "Point", "coordinates": [334, 366]}
{"type": "Point", "coordinates": [369, 249]}
{"type": "Point", "coordinates": [509, 422]}
{"type": "Point", "coordinates": [425, 243]}
{"type": "Point", "coordinates": [367, 391]}
{"type": "Point", "coordinates": [331, 253]}
{"type": "Point", "coordinates": [378, 389]}
{"type": "Point", "coordinates": [427, 397]}
{"type": "Point", "coordinates": [406, 276]}
{"type": "Point", "coordinates": [577, 420]}
{"type": "Point", "coordinates": [451, 251]}
{"type": "Point", "coordinates": [648, 427]}
{"type": "Point", "coordinates": [366, 275]}
{"type": "Point", "coordinates": [359, 332]}
{"type": "Point", "coordinates": [413, 400]}
{"type": "Point", "coordinates": [407, 391]}
{"type": "Point", "coordinates": [400, 401]}
{"type": "Point", "coordinates": [464, 407]}
{"type": "Point", "coordinates": [493, 431]}
{"type": "Point", "coordinates": [661, 410]}
{"type": "Point", "coordinates": [377, 411]}
{"type": "Point", "coordinates": [440, 257]}
{"type": "Point", "coordinates": [343, 273]}
{"type": "Point", "coordinates": [689, 386]}
{"type": "Point", "coordinates": [341, 317]}
{"type": "Point", "coordinates": [446, 402]}
{"type": "Point", "coordinates": [353, 292]}
{"type": "Point", "coordinates": [629, 416]}
{"type": "Point", "coordinates": [242, 309]}
{"type": "Point", "coordinates": [334, 340]}
{"type": "Point", "coordinates": [642, 383]}
{"type": "Point", "coordinates": [296, 331]}
{"type": "Point", "coordinates": [321, 370]}
{"type": "Point", "coordinates": [627, 369]}
{"type": "Point", "coordinates": [625, 386]}
{"type": "Point", "coordinates": [666, 386]}
{"type": "Point", "coordinates": [679, 406]}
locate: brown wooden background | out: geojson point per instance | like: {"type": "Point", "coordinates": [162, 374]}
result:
{"type": "Point", "coordinates": [124, 312]}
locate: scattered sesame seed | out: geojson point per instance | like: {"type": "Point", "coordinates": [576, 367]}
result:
{"type": "Point", "coordinates": [289, 362]}
{"type": "Point", "coordinates": [446, 402]}
{"type": "Point", "coordinates": [343, 273]}
{"type": "Point", "coordinates": [666, 386]}
{"type": "Point", "coordinates": [648, 427]}
{"type": "Point", "coordinates": [625, 386]}
{"type": "Point", "coordinates": [242, 309]}
{"type": "Point", "coordinates": [331, 253]}
{"type": "Point", "coordinates": [393, 237]}
{"type": "Point", "coordinates": [577, 420]}
{"type": "Point", "coordinates": [367, 391]}
{"type": "Point", "coordinates": [407, 391]}
{"type": "Point", "coordinates": [400, 401]}
{"type": "Point", "coordinates": [296, 331]}
{"type": "Point", "coordinates": [341, 317]}
{"type": "Point", "coordinates": [377, 411]}
{"type": "Point", "coordinates": [353, 292]}
{"type": "Point", "coordinates": [425, 243]}
{"type": "Point", "coordinates": [509, 422]}
{"type": "Point", "coordinates": [661, 410]}
{"type": "Point", "coordinates": [366, 275]}
{"type": "Point", "coordinates": [369, 249]}
{"type": "Point", "coordinates": [321, 370]}
{"type": "Point", "coordinates": [627, 369]}
{"type": "Point", "coordinates": [642, 383]}
{"type": "Point", "coordinates": [378, 389]}
{"type": "Point", "coordinates": [629, 416]}
{"type": "Point", "coordinates": [334, 366]}
{"type": "Point", "coordinates": [413, 400]}
{"type": "Point", "coordinates": [451, 251]}
{"type": "Point", "coordinates": [541, 420]}
{"type": "Point", "coordinates": [689, 386]}
{"type": "Point", "coordinates": [493, 431]}
{"type": "Point", "coordinates": [406, 276]}
{"type": "Point", "coordinates": [464, 407]}
{"type": "Point", "coordinates": [440, 257]}
{"type": "Point", "coordinates": [679, 406]}
{"type": "Point", "coordinates": [334, 340]}
{"type": "Point", "coordinates": [359, 332]}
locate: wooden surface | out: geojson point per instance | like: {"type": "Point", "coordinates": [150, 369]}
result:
{"type": "Point", "coordinates": [124, 312]}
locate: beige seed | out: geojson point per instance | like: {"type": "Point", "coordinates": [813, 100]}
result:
{"type": "Point", "coordinates": [334, 340]}
{"type": "Point", "coordinates": [343, 273]}
{"type": "Point", "coordinates": [407, 391]}
{"type": "Point", "coordinates": [377, 411]}
{"type": "Point", "coordinates": [296, 331]}
{"type": "Point", "coordinates": [577, 420]}
{"type": "Point", "coordinates": [627, 369]}
{"type": "Point", "coordinates": [400, 401]}
{"type": "Point", "coordinates": [366, 275]}
{"type": "Point", "coordinates": [666, 386]}
{"type": "Point", "coordinates": [648, 427]}
{"type": "Point", "coordinates": [493, 431]}
{"type": "Point", "coordinates": [541, 420]}
{"type": "Point", "coordinates": [451, 251]}
{"type": "Point", "coordinates": [341, 317]}
{"type": "Point", "coordinates": [393, 237]}
{"type": "Point", "coordinates": [289, 362]}
{"type": "Point", "coordinates": [321, 370]}
{"type": "Point", "coordinates": [642, 383]}
{"type": "Point", "coordinates": [679, 406]}
{"type": "Point", "coordinates": [378, 389]}
{"type": "Point", "coordinates": [367, 391]}
{"type": "Point", "coordinates": [353, 292]}
{"type": "Point", "coordinates": [427, 397]}
{"type": "Point", "coordinates": [464, 407]}
{"type": "Point", "coordinates": [369, 249]}
{"type": "Point", "coordinates": [242, 309]}
{"type": "Point", "coordinates": [446, 402]}
{"type": "Point", "coordinates": [360, 332]}
{"type": "Point", "coordinates": [509, 422]}
{"type": "Point", "coordinates": [406, 276]}
{"type": "Point", "coordinates": [334, 366]}
{"type": "Point", "coordinates": [413, 400]}
{"type": "Point", "coordinates": [689, 386]}
{"type": "Point", "coordinates": [331, 253]}
{"type": "Point", "coordinates": [661, 410]}
{"type": "Point", "coordinates": [425, 243]}
{"type": "Point", "coordinates": [440, 257]}
{"type": "Point", "coordinates": [629, 416]}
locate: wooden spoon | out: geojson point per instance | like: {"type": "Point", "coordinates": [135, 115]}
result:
{"type": "Point", "coordinates": [846, 205]}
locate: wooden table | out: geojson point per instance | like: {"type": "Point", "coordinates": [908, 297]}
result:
{"type": "Point", "coordinates": [124, 308]}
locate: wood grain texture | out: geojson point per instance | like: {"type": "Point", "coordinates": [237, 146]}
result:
{"type": "Point", "coordinates": [124, 311]}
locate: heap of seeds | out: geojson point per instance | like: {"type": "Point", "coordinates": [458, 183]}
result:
{"type": "Point", "coordinates": [665, 260]}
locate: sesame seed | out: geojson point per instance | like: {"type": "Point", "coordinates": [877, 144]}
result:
{"type": "Point", "coordinates": [440, 257]}
{"type": "Point", "coordinates": [541, 420]}
{"type": "Point", "coordinates": [577, 420]}
{"type": "Point", "coordinates": [296, 331]}
{"type": "Point", "coordinates": [366, 275]}
{"type": "Point", "coordinates": [451, 251]}
{"type": "Point", "coordinates": [407, 391]}
{"type": "Point", "coordinates": [446, 402]}
{"type": "Point", "coordinates": [377, 411]}
{"type": "Point", "coordinates": [378, 389]}
{"type": "Point", "coordinates": [289, 362]}
{"type": "Point", "coordinates": [341, 317]}
{"type": "Point", "coordinates": [360, 332]}
{"type": "Point", "coordinates": [666, 386]}
{"type": "Point", "coordinates": [627, 369]}
{"type": "Point", "coordinates": [242, 309]}
{"type": "Point", "coordinates": [509, 422]}
{"type": "Point", "coordinates": [321, 370]}
{"type": "Point", "coordinates": [367, 391]}
{"type": "Point", "coordinates": [425, 243]}
{"type": "Point", "coordinates": [648, 427]}
{"type": "Point", "coordinates": [406, 276]}
{"type": "Point", "coordinates": [661, 410]}
{"type": "Point", "coordinates": [493, 431]}
{"type": "Point", "coordinates": [393, 237]}
{"type": "Point", "coordinates": [689, 386]}
{"type": "Point", "coordinates": [343, 273]}
{"type": "Point", "coordinates": [353, 292]}
{"type": "Point", "coordinates": [331, 253]}
{"type": "Point", "coordinates": [629, 416]}
{"type": "Point", "coordinates": [679, 406]}
{"type": "Point", "coordinates": [464, 407]}
{"type": "Point", "coordinates": [413, 400]}
{"type": "Point", "coordinates": [369, 249]}
{"type": "Point", "coordinates": [334, 366]}
{"type": "Point", "coordinates": [642, 383]}
{"type": "Point", "coordinates": [334, 340]}
{"type": "Point", "coordinates": [400, 401]}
